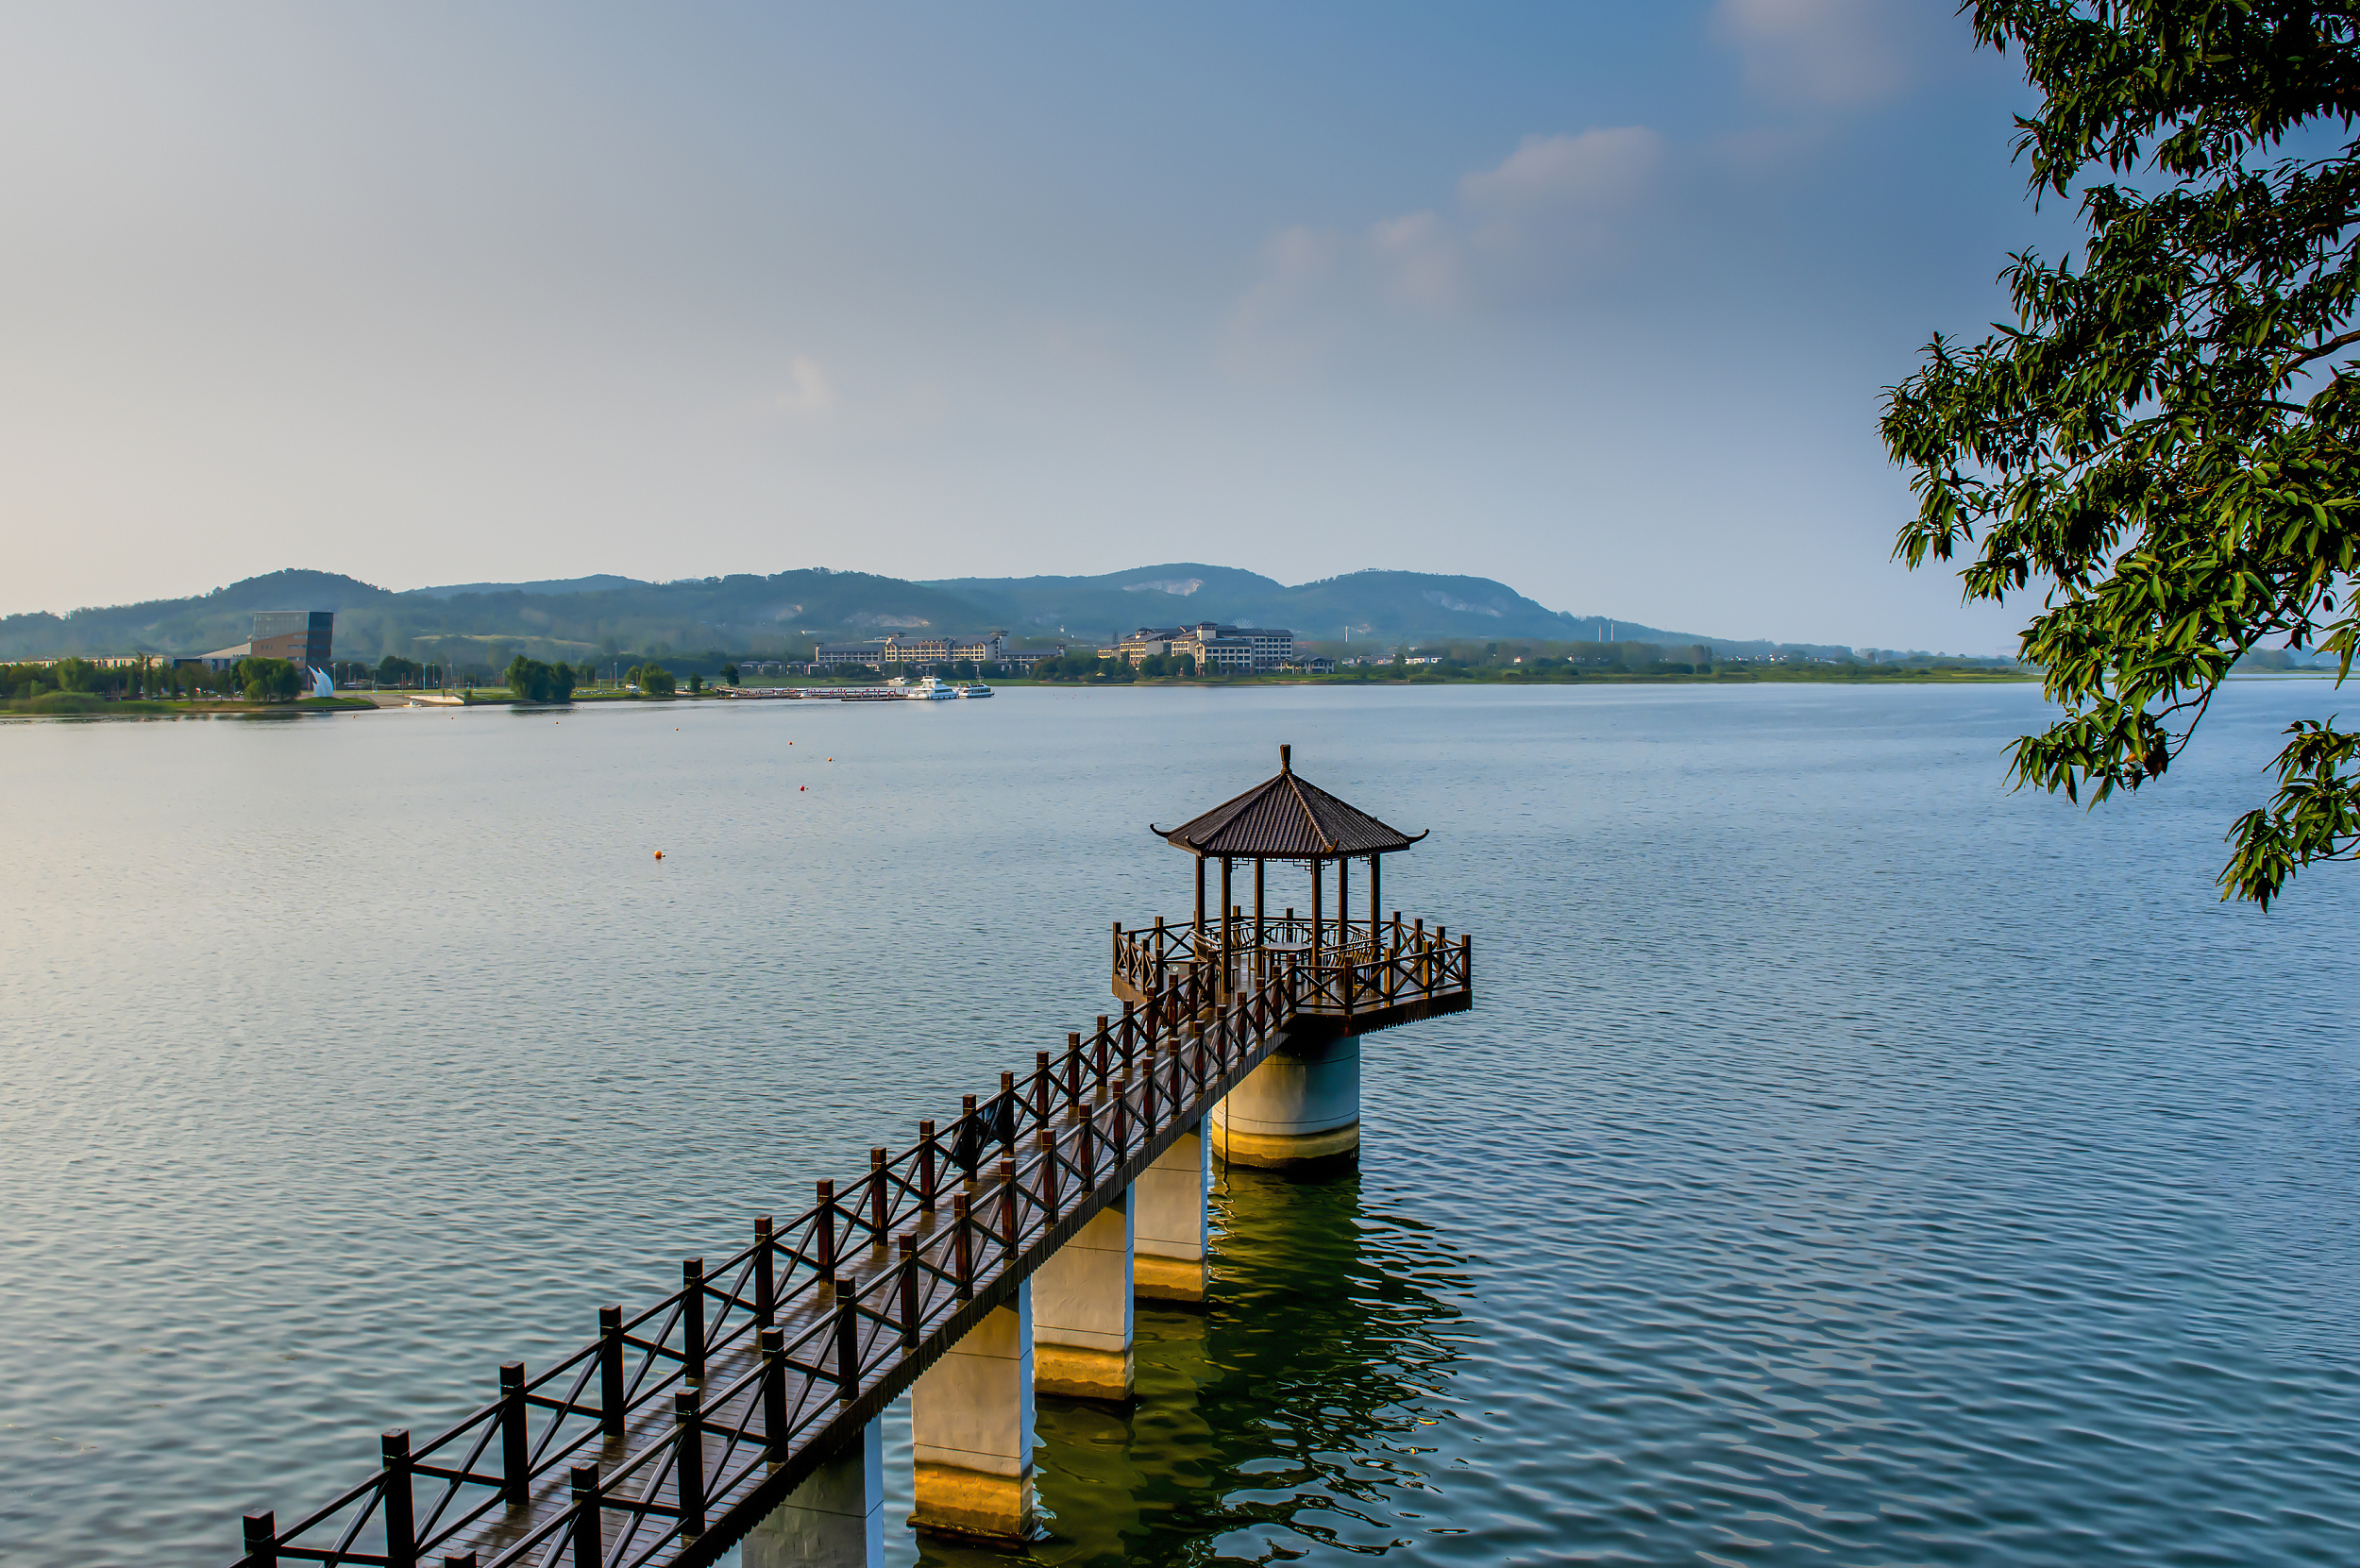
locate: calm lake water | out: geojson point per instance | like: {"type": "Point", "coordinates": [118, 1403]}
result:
{"type": "Point", "coordinates": [1847, 1162]}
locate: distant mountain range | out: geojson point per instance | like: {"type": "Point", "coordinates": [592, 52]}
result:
{"type": "Point", "coordinates": [607, 616]}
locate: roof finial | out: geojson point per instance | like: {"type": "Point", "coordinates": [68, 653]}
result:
{"type": "Point", "coordinates": [1286, 759]}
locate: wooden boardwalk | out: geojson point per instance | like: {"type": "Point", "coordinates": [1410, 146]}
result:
{"type": "Point", "coordinates": [670, 1436]}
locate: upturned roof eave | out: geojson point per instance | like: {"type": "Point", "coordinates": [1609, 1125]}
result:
{"type": "Point", "coordinates": [1303, 833]}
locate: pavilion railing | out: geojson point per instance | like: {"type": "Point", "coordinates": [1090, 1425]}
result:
{"type": "Point", "coordinates": [1351, 966]}
{"type": "Point", "coordinates": [678, 1428]}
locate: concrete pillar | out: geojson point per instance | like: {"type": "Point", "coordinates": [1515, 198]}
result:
{"type": "Point", "coordinates": [836, 1519]}
{"type": "Point", "coordinates": [971, 1430]}
{"type": "Point", "coordinates": [1167, 1205]}
{"type": "Point", "coordinates": [1082, 1311]}
{"type": "Point", "coordinates": [1297, 1107]}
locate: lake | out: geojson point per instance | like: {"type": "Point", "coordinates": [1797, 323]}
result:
{"type": "Point", "coordinates": [1846, 1161]}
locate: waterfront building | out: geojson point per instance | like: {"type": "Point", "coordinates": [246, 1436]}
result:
{"type": "Point", "coordinates": [305, 638]}
{"type": "Point", "coordinates": [302, 637]}
{"type": "Point", "coordinates": [1212, 644]}
{"type": "Point", "coordinates": [879, 652]}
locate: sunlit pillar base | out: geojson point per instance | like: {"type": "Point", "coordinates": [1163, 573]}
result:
{"type": "Point", "coordinates": [1297, 1108]}
{"type": "Point", "coordinates": [974, 1503]}
{"type": "Point", "coordinates": [1075, 1372]}
{"type": "Point", "coordinates": [971, 1430]}
{"type": "Point", "coordinates": [1082, 1311]}
{"type": "Point", "coordinates": [834, 1518]}
{"type": "Point", "coordinates": [1167, 1223]}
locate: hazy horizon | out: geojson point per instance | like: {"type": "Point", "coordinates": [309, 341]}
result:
{"type": "Point", "coordinates": [1597, 301]}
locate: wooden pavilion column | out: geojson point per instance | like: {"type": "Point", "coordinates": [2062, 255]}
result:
{"type": "Point", "coordinates": [1197, 951]}
{"type": "Point", "coordinates": [1228, 927]}
{"type": "Point", "coordinates": [1315, 911]}
{"type": "Point", "coordinates": [1257, 920]}
{"type": "Point", "coordinates": [1343, 906]}
{"type": "Point", "coordinates": [1376, 896]}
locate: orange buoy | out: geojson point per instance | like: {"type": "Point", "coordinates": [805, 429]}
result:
{"type": "Point", "coordinates": [659, 854]}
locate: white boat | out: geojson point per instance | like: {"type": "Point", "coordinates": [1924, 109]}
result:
{"type": "Point", "coordinates": [975, 688]}
{"type": "Point", "coordinates": [931, 689]}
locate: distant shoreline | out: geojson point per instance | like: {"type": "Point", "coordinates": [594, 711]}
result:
{"type": "Point", "coordinates": [78, 706]}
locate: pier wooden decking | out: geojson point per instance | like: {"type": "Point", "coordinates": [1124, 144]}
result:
{"type": "Point", "coordinates": [681, 1426]}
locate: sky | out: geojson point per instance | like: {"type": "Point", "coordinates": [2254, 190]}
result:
{"type": "Point", "coordinates": [1597, 299]}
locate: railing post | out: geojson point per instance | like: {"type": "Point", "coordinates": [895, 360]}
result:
{"type": "Point", "coordinates": [774, 1395]}
{"type": "Point", "coordinates": [880, 1196]}
{"type": "Point", "coordinates": [401, 1518]}
{"type": "Point", "coordinates": [1085, 1137]}
{"type": "Point", "coordinates": [516, 1445]}
{"type": "Point", "coordinates": [1121, 1133]}
{"type": "Point", "coordinates": [909, 1290]}
{"type": "Point", "coordinates": [1466, 961]}
{"type": "Point", "coordinates": [589, 1532]}
{"type": "Point", "coordinates": [1073, 1067]}
{"type": "Point", "coordinates": [261, 1541]}
{"type": "Point", "coordinates": [692, 1317]}
{"type": "Point", "coordinates": [1130, 1032]}
{"type": "Point", "coordinates": [688, 1461]}
{"type": "Point", "coordinates": [968, 1150]}
{"type": "Point", "coordinates": [847, 1345]}
{"type": "Point", "coordinates": [1041, 1076]}
{"type": "Point", "coordinates": [824, 1265]}
{"type": "Point", "coordinates": [1007, 1204]}
{"type": "Point", "coordinates": [1098, 1066]}
{"type": "Point", "coordinates": [1147, 1096]}
{"type": "Point", "coordinates": [610, 1412]}
{"type": "Point", "coordinates": [1049, 1175]}
{"type": "Point", "coordinates": [925, 1168]}
{"type": "Point", "coordinates": [765, 1277]}
{"type": "Point", "coordinates": [1006, 1130]}
{"type": "Point", "coordinates": [962, 1246]}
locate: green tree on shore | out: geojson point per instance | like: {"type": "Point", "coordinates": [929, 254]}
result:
{"type": "Point", "coordinates": [2164, 443]}
{"type": "Point", "coordinates": [269, 680]}
{"type": "Point", "coordinates": [531, 680]}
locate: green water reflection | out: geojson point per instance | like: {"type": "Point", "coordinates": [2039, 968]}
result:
{"type": "Point", "coordinates": [1296, 1416]}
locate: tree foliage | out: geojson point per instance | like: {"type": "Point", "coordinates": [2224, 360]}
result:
{"type": "Point", "coordinates": [2165, 440]}
{"type": "Point", "coordinates": [531, 680]}
{"type": "Point", "coordinates": [269, 680]}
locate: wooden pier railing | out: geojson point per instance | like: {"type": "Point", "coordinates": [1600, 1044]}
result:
{"type": "Point", "coordinates": [680, 1427]}
{"type": "Point", "coordinates": [1344, 968]}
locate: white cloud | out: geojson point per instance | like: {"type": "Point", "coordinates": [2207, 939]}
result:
{"type": "Point", "coordinates": [1594, 171]}
{"type": "Point", "coordinates": [812, 395]}
{"type": "Point", "coordinates": [1554, 214]}
{"type": "Point", "coordinates": [1829, 53]}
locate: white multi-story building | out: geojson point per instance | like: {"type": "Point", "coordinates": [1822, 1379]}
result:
{"type": "Point", "coordinates": [1213, 646]}
{"type": "Point", "coordinates": [897, 649]}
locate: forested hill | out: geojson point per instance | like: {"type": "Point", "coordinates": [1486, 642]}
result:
{"type": "Point", "coordinates": [785, 612]}
{"type": "Point", "coordinates": [1384, 607]}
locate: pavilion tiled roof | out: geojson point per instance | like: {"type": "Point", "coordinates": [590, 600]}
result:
{"type": "Point", "coordinates": [1285, 819]}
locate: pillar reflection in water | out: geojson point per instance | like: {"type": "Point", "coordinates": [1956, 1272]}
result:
{"type": "Point", "coordinates": [1286, 1416]}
